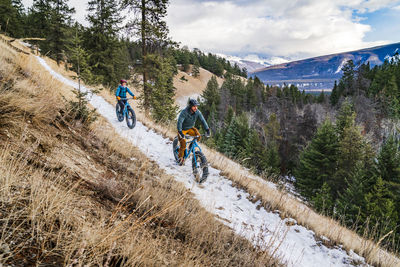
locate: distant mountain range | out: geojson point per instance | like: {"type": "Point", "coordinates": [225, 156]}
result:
{"type": "Point", "coordinates": [253, 62]}
{"type": "Point", "coordinates": [320, 73]}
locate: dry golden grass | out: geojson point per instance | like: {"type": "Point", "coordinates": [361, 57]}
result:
{"type": "Point", "coordinates": [73, 195]}
{"type": "Point", "coordinates": [192, 85]}
{"type": "Point", "coordinates": [273, 199]}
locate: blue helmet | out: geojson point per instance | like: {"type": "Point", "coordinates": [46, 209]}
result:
{"type": "Point", "coordinates": [193, 102]}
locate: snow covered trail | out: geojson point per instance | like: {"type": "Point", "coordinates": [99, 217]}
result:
{"type": "Point", "coordinates": [294, 244]}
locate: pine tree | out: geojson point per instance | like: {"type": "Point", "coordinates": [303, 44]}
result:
{"type": "Point", "coordinates": [232, 139]}
{"type": "Point", "coordinates": [236, 134]}
{"type": "Point", "coordinates": [351, 203]}
{"type": "Point", "coordinates": [334, 97]}
{"type": "Point", "coordinates": [389, 161]}
{"type": "Point", "coordinates": [162, 103]}
{"type": "Point", "coordinates": [380, 207]}
{"type": "Point", "coordinates": [252, 152]}
{"type": "Point", "coordinates": [271, 156]}
{"type": "Point", "coordinates": [388, 167]}
{"type": "Point", "coordinates": [60, 19]}
{"type": "Point", "coordinates": [12, 17]}
{"type": "Point", "coordinates": [153, 33]}
{"type": "Point", "coordinates": [108, 56]}
{"type": "Point", "coordinates": [251, 98]}
{"type": "Point", "coordinates": [185, 60]}
{"type": "Point", "coordinates": [229, 116]}
{"type": "Point", "coordinates": [348, 77]}
{"type": "Point", "coordinates": [212, 118]}
{"type": "Point", "coordinates": [322, 201]}
{"type": "Point", "coordinates": [196, 68]}
{"type": "Point", "coordinates": [351, 150]}
{"type": "Point", "coordinates": [78, 56]}
{"type": "Point", "coordinates": [211, 93]}
{"type": "Point", "coordinates": [318, 161]}
{"type": "Point", "coordinates": [321, 97]}
{"type": "Point", "coordinates": [345, 117]}
{"type": "Point", "coordinates": [39, 21]}
{"type": "Point", "coordinates": [392, 94]}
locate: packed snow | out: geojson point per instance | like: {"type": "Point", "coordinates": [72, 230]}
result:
{"type": "Point", "coordinates": [294, 244]}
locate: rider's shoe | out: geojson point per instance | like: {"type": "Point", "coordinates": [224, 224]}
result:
{"type": "Point", "coordinates": [181, 161]}
{"type": "Point", "coordinates": [202, 179]}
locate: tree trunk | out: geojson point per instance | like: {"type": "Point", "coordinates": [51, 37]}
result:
{"type": "Point", "coordinates": [146, 91]}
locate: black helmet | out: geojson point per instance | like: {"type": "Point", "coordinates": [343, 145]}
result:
{"type": "Point", "coordinates": [193, 102]}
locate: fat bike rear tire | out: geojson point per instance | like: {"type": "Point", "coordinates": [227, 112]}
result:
{"type": "Point", "coordinates": [175, 149]}
{"type": "Point", "coordinates": [118, 111]}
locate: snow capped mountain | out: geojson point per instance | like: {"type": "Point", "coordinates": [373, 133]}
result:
{"type": "Point", "coordinates": [321, 72]}
{"type": "Point", "coordinates": [395, 57]}
{"type": "Point", "coordinates": [253, 62]}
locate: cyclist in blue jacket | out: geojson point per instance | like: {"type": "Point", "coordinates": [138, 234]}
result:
{"type": "Point", "coordinates": [121, 93]}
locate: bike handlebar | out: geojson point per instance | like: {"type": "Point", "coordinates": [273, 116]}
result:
{"type": "Point", "coordinates": [127, 98]}
{"type": "Point", "coordinates": [194, 137]}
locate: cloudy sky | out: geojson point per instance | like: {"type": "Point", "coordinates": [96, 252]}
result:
{"type": "Point", "coordinates": [292, 29]}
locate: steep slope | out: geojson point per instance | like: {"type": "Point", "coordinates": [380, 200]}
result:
{"type": "Point", "coordinates": [294, 243]}
{"type": "Point", "coordinates": [75, 194]}
{"type": "Point", "coordinates": [321, 72]}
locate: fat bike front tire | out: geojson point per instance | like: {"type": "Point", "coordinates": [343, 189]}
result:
{"type": "Point", "coordinates": [200, 171]}
{"type": "Point", "coordinates": [130, 118]}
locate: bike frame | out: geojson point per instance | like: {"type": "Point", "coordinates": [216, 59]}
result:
{"type": "Point", "coordinates": [125, 111]}
{"type": "Point", "coordinates": [192, 148]}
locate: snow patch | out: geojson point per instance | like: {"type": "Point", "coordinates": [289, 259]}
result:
{"type": "Point", "coordinates": [339, 69]}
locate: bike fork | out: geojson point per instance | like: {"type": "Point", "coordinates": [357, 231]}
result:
{"type": "Point", "coordinates": [195, 160]}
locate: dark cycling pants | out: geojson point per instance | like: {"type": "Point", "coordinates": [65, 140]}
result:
{"type": "Point", "coordinates": [122, 104]}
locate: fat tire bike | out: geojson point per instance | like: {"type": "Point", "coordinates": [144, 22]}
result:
{"type": "Point", "coordinates": [199, 160]}
{"type": "Point", "coordinates": [128, 113]}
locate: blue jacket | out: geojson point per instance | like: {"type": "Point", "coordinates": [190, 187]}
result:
{"type": "Point", "coordinates": [121, 91]}
{"type": "Point", "coordinates": [187, 119]}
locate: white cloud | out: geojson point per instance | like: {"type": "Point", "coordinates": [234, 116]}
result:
{"type": "Point", "coordinates": [293, 29]}
{"type": "Point", "coordinates": [283, 28]}
{"type": "Point", "coordinates": [79, 5]}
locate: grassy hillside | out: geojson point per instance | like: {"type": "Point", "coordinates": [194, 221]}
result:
{"type": "Point", "coordinates": [73, 193]}
{"type": "Point", "coordinates": [190, 86]}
